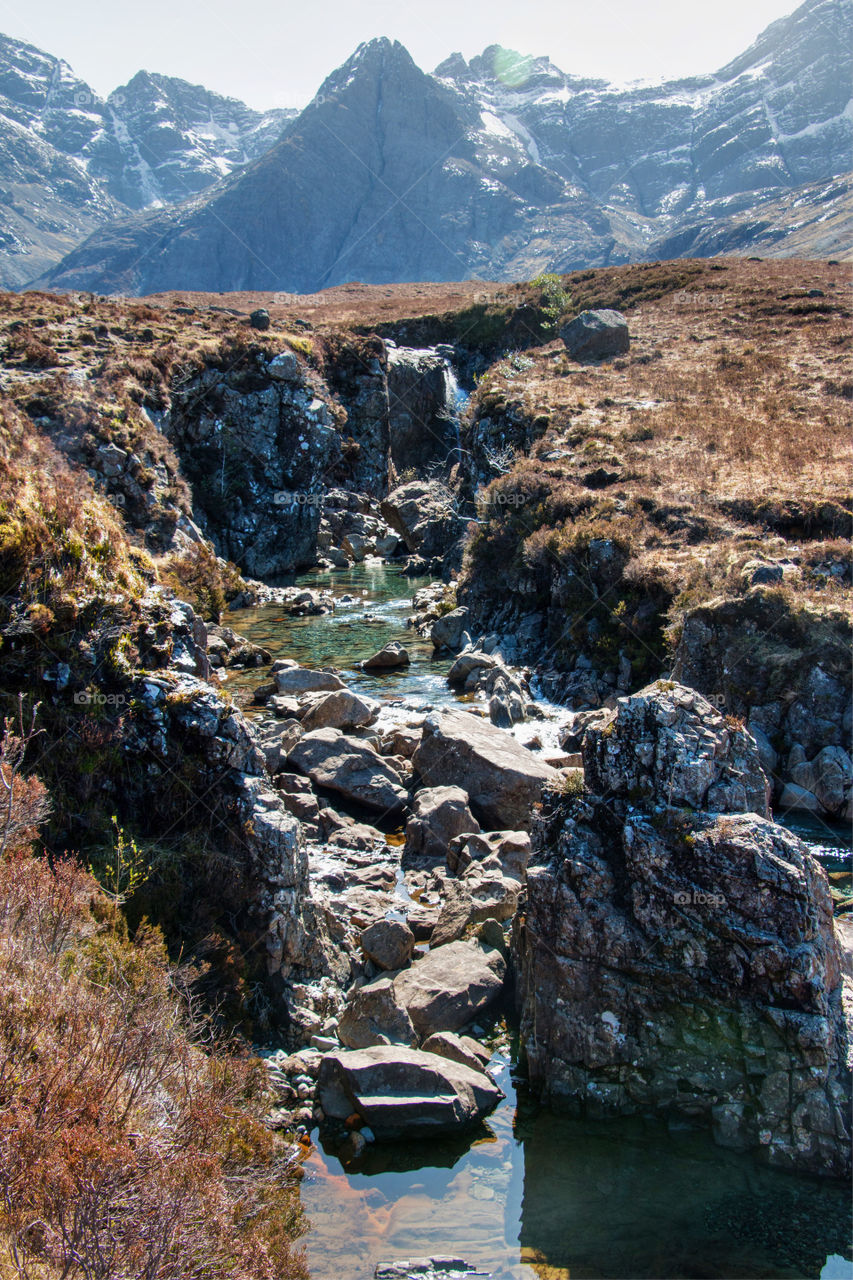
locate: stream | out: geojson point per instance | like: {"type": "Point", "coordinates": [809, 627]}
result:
{"type": "Point", "coordinates": [531, 1194]}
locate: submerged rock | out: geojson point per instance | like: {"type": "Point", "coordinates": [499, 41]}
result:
{"type": "Point", "coordinates": [503, 779]}
{"type": "Point", "coordinates": [403, 1093]}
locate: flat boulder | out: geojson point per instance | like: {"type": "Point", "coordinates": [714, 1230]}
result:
{"type": "Point", "coordinates": [595, 335]}
{"type": "Point", "coordinates": [502, 778]}
{"type": "Point", "coordinates": [404, 1093]}
{"type": "Point", "coordinates": [296, 680]}
{"type": "Point", "coordinates": [350, 767]}
{"type": "Point", "coordinates": [464, 1049]}
{"type": "Point", "coordinates": [449, 986]}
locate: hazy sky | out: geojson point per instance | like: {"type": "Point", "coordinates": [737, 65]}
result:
{"type": "Point", "coordinates": [277, 52]}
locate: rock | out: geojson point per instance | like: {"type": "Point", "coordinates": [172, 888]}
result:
{"type": "Point", "coordinates": [374, 1015]}
{"type": "Point", "coordinates": [467, 663]}
{"type": "Point", "coordinates": [493, 895]}
{"type": "Point", "coordinates": [296, 680]}
{"type": "Point", "coordinates": [798, 799]}
{"type": "Point", "coordinates": [401, 742]}
{"type": "Point", "coordinates": [391, 656]}
{"type": "Point", "coordinates": [829, 777]}
{"type": "Point", "coordinates": [260, 318]}
{"type": "Point", "coordinates": [447, 630]}
{"type": "Point", "coordinates": [683, 964]}
{"type": "Point", "coordinates": [404, 1093]}
{"type": "Point", "coordinates": [510, 848]}
{"type": "Point", "coordinates": [390, 944]}
{"type": "Point", "coordinates": [340, 709]}
{"type": "Point", "coordinates": [595, 335]}
{"type": "Point", "coordinates": [351, 767]}
{"type": "Point", "coordinates": [454, 916]}
{"type": "Point", "coordinates": [667, 745]}
{"type": "Point", "coordinates": [423, 513]}
{"type": "Point", "coordinates": [442, 1268]}
{"type": "Point", "coordinates": [571, 736]}
{"type": "Point", "coordinates": [445, 989]}
{"type": "Point", "coordinates": [285, 367]}
{"type": "Point", "coordinates": [503, 779]}
{"type": "Point", "coordinates": [462, 1049]}
{"type": "Point", "coordinates": [438, 815]}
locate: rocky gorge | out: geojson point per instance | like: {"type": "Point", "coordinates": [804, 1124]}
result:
{"type": "Point", "coordinates": [516, 754]}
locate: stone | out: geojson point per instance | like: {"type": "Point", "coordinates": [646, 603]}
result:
{"type": "Point", "coordinates": [297, 680]}
{"type": "Point", "coordinates": [285, 367]}
{"type": "Point", "coordinates": [493, 895]}
{"type": "Point", "coordinates": [260, 318]}
{"type": "Point", "coordinates": [390, 944]}
{"type": "Point", "coordinates": [449, 986]}
{"type": "Point", "coordinates": [797, 798]}
{"type": "Point", "coordinates": [447, 630]}
{"type": "Point", "coordinates": [679, 965]}
{"type": "Point", "coordinates": [467, 663]}
{"type": "Point", "coordinates": [667, 745]}
{"type": "Point", "coordinates": [350, 767]}
{"type": "Point", "coordinates": [596, 335]}
{"type": "Point", "coordinates": [456, 912]}
{"type": "Point", "coordinates": [389, 657]}
{"type": "Point", "coordinates": [503, 779]}
{"type": "Point", "coordinates": [464, 1049]}
{"type": "Point", "coordinates": [374, 1015]}
{"type": "Point", "coordinates": [829, 777]}
{"type": "Point", "coordinates": [423, 513]}
{"type": "Point", "coordinates": [404, 1093]}
{"type": "Point", "coordinates": [510, 848]}
{"type": "Point", "coordinates": [438, 815]}
{"type": "Point", "coordinates": [340, 709]}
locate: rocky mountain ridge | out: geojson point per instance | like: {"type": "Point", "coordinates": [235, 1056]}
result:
{"type": "Point", "coordinates": [72, 160]}
{"type": "Point", "coordinates": [495, 168]}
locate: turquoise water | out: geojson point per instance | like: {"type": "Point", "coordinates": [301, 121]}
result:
{"type": "Point", "coordinates": [531, 1194]}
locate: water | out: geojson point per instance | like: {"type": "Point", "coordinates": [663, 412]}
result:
{"type": "Point", "coordinates": [531, 1194]}
{"type": "Point", "coordinates": [536, 1195]}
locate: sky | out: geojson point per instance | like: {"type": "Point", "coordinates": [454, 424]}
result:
{"type": "Point", "coordinates": [276, 53]}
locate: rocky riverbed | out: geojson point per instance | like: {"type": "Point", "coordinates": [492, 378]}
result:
{"type": "Point", "coordinates": [438, 893]}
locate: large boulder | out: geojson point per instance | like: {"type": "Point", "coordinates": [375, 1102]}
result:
{"type": "Point", "coordinates": [449, 986]}
{"type": "Point", "coordinates": [446, 631]}
{"type": "Point", "coordinates": [297, 680]}
{"type": "Point", "coordinates": [374, 1015]}
{"type": "Point", "coordinates": [341, 709]}
{"type": "Point", "coordinates": [404, 1093]}
{"type": "Point", "coordinates": [423, 513]}
{"type": "Point", "coordinates": [502, 778]}
{"type": "Point", "coordinates": [438, 815]}
{"type": "Point", "coordinates": [667, 745]}
{"type": "Point", "coordinates": [350, 767]}
{"type": "Point", "coordinates": [685, 963]}
{"type": "Point", "coordinates": [595, 335]}
{"type": "Point", "coordinates": [420, 410]}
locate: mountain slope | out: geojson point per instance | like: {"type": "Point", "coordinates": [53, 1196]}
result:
{"type": "Point", "coordinates": [70, 161]}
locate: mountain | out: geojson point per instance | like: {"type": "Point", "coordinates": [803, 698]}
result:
{"type": "Point", "coordinates": [70, 161]}
{"type": "Point", "coordinates": [495, 168]}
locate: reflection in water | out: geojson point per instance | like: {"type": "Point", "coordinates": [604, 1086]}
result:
{"type": "Point", "coordinates": [531, 1194]}
{"type": "Point", "coordinates": [552, 1197]}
